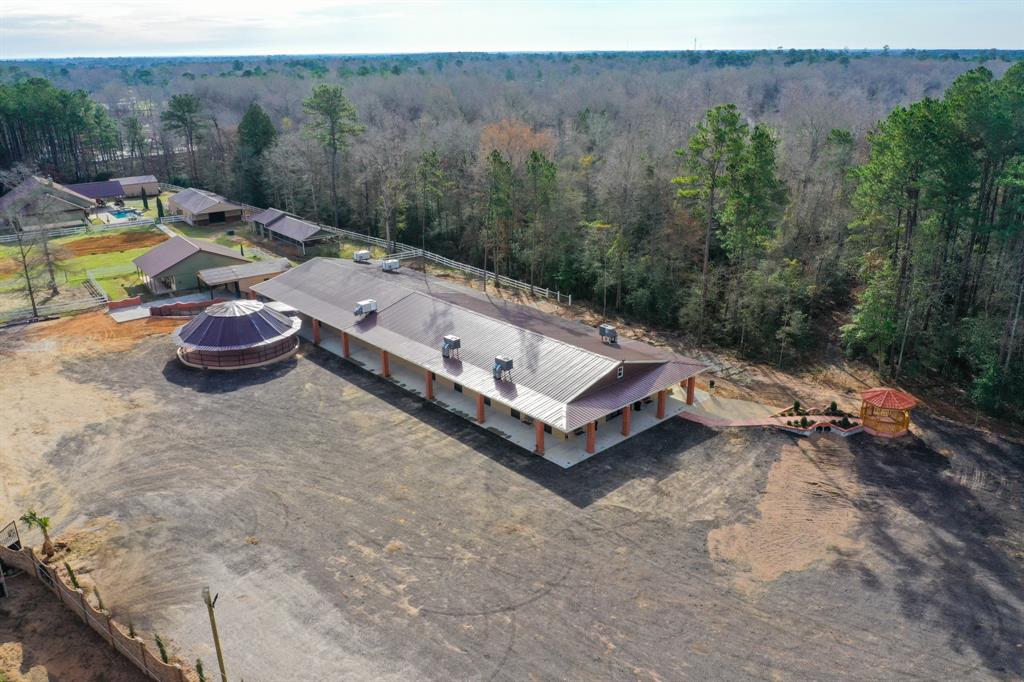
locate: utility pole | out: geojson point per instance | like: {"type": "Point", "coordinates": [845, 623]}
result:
{"type": "Point", "coordinates": [210, 603]}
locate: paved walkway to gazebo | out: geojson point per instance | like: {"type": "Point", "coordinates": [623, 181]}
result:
{"type": "Point", "coordinates": [712, 410]}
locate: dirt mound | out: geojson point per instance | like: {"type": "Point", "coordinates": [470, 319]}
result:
{"type": "Point", "coordinates": [91, 246]}
{"type": "Point", "coordinates": [97, 331]}
{"type": "Point", "coordinates": [805, 515]}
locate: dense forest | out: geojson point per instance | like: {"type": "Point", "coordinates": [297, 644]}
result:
{"type": "Point", "coordinates": [767, 202]}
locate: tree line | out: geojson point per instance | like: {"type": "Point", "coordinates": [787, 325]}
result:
{"type": "Point", "coordinates": [763, 210]}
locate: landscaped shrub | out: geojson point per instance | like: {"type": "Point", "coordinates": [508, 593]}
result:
{"type": "Point", "coordinates": [796, 406]}
{"type": "Point", "coordinates": [832, 407]}
{"type": "Point", "coordinates": [71, 575]}
{"type": "Point", "coordinates": [163, 649]}
{"type": "Point", "coordinates": [845, 423]}
{"type": "Point", "coordinates": [803, 422]}
{"type": "Point", "coordinates": [199, 670]}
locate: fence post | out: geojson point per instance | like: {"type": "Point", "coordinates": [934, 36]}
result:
{"type": "Point", "coordinates": [142, 653]}
{"type": "Point", "coordinates": [81, 598]}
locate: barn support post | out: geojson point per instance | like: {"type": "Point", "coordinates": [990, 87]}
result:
{"type": "Point", "coordinates": [345, 353]}
{"type": "Point", "coordinates": [627, 418]}
{"type": "Point", "coordinates": [538, 427]}
{"type": "Point", "coordinates": [591, 437]}
{"type": "Point", "coordinates": [480, 416]}
{"type": "Point", "coordinates": [429, 378]}
{"type": "Point", "coordinates": [691, 385]}
{"type": "Point", "coordinates": [662, 395]}
{"type": "Point", "coordinates": [316, 332]}
{"type": "Point", "coordinates": [385, 363]}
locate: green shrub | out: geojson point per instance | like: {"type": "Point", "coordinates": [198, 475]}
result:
{"type": "Point", "coordinates": [803, 422]}
{"type": "Point", "coordinates": [163, 649]}
{"type": "Point", "coordinates": [796, 406]}
{"type": "Point", "coordinates": [199, 670]}
{"type": "Point", "coordinates": [71, 575]}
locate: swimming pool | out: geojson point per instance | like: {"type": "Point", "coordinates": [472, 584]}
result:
{"type": "Point", "coordinates": [122, 213]}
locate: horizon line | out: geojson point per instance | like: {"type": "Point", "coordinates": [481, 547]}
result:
{"type": "Point", "coordinates": [515, 52]}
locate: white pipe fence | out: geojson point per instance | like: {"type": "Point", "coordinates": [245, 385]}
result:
{"type": "Point", "coordinates": [68, 231]}
{"type": "Point", "coordinates": [406, 251]}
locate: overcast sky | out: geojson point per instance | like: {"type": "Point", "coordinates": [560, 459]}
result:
{"type": "Point", "coordinates": [102, 28]}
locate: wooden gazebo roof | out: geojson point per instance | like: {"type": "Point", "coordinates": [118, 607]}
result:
{"type": "Point", "coordinates": [889, 398]}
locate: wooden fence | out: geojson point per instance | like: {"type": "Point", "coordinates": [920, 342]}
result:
{"type": "Point", "coordinates": [132, 648]}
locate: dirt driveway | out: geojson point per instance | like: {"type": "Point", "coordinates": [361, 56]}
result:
{"type": "Point", "coordinates": [354, 531]}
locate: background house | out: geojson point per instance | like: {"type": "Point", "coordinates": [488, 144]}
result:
{"type": "Point", "coordinates": [134, 185]}
{"type": "Point", "coordinates": [107, 190]}
{"type": "Point", "coordinates": [174, 264]}
{"type": "Point", "coordinates": [200, 207]}
{"type": "Point", "coordinates": [40, 202]}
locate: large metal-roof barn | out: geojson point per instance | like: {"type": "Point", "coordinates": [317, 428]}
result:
{"type": "Point", "coordinates": [566, 379]}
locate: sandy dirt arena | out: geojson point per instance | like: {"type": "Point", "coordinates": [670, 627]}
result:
{"type": "Point", "coordinates": [356, 531]}
{"type": "Point", "coordinates": [39, 642]}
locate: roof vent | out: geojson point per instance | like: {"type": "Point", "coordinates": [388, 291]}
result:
{"type": "Point", "coordinates": [390, 264]}
{"type": "Point", "coordinates": [608, 333]}
{"type": "Point", "coordinates": [502, 367]}
{"type": "Point", "coordinates": [361, 256]}
{"type": "Point", "coordinates": [365, 307]}
{"type": "Point", "coordinates": [450, 346]}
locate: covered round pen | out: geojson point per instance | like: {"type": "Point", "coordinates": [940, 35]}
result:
{"type": "Point", "coordinates": [237, 335]}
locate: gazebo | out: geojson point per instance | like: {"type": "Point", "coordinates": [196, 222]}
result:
{"type": "Point", "coordinates": [886, 411]}
{"type": "Point", "coordinates": [237, 335]}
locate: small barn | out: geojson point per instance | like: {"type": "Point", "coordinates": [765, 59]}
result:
{"type": "Point", "coordinates": [39, 202]}
{"type": "Point", "coordinates": [285, 227]}
{"type": "Point", "coordinates": [237, 335]}
{"type": "Point", "coordinates": [135, 185]}
{"type": "Point", "coordinates": [199, 207]}
{"type": "Point", "coordinates": [107, 190]}
{"type": "Point", "coordinates": [174, 265]}
{"type": "Point", "coordinates": [239, 278]}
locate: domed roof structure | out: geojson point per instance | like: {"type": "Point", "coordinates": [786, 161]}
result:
{"type": "Point", "coordinates": [237, 334]}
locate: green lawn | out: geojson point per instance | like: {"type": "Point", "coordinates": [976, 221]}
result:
{"type": "Point", "coordinates": [77, 267]}
{"type": "Point", "coordinates": [151, 211]}
{"type": "Point", "coordinates": [124, 286]}
{"type": "Point", "coordinates": [212, 233]}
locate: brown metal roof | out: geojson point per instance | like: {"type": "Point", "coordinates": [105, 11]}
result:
{"type": "Point", "coordinates": [548, 366]}
{"type": "Point", "coordinates": [200, 201]}
{"type": "Point", "coordinates": [233, 273]}
{"type": "Point", "coordinates": [555, 361]}
{"type": "Point", "coordinates": [174, 250]}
